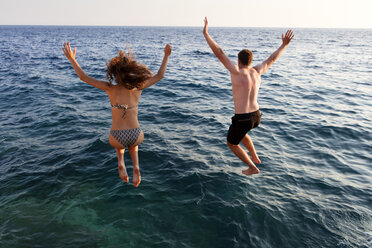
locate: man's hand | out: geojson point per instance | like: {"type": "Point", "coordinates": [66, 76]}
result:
{"type": "Point", "coordinates": [167, 50]}
{"type": "Point", "coordinates": [287, 37]}
{"type": "Point", "coordinates": [217, 50]}
{"type": "Point", "coordinates": [261, 68]}
{"type": "Point", "coordinates": [205, 30]}
{"type": "Point", "coordinates": [68, 52]}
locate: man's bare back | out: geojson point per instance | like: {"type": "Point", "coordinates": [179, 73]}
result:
{"type": "Point", "coordinates": [245, 86]}
{"type": "Point", "coordinates": [246, 82]}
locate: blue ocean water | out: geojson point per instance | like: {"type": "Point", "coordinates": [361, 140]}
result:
{"type": "Point", "coordinates": [59, 185]}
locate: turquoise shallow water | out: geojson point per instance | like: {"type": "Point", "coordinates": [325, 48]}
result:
{"type": "Point", "coordinates": [59, 185]}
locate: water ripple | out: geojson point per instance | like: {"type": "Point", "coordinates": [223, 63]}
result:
{"type": "Point", "coordinates": [58, 175]}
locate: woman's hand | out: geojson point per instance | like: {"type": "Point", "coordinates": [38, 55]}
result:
{"type": "Point", "coordinates": [167, 50]}
{"type": "Point", "coordinates": [68, 52]}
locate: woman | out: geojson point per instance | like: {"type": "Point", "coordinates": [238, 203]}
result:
{"type": "Point", "coordinates": [131, 78]}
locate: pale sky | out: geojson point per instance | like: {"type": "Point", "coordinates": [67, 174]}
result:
{"type": "Point", "coordinates": [230, 13]}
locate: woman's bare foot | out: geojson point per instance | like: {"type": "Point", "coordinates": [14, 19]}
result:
{"type": "Point", "coordinates": [136, 177]}
{"type": "Point", "coordinates": [256, 160]}
{"type": "Point", "coordinates": [251, 170]}
{"type": "Point", "coordinates": [123, 173]}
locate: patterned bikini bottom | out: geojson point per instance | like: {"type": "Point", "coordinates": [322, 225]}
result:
{"type": "Point", "coordinates": [126, 137]}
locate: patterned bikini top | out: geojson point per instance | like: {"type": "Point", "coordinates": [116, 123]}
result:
{"type": "Point", "coordinates": [124, 107]}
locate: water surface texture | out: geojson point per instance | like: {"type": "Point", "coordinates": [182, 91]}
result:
{"type": "Point", "coordinates": [59, 185]}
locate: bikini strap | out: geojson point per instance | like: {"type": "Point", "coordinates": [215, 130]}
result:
{"type": "Point", "coordinates": [123, 107]}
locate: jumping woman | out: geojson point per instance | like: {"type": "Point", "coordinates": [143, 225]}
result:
{"type": "Point", "coordinates": [130, 79]}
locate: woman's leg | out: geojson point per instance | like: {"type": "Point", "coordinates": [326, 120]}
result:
{"type": "Point", "coordinates": [133, 152]}
{"type": "Point", "coordinates": [121, 165]}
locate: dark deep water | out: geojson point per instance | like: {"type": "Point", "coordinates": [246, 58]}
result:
{"type": "Point", "coordinates": [59, 185]}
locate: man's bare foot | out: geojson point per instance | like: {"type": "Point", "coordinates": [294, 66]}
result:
{"type": "Point", "coordinates": [251, 170]}
{"type": "Point", "coordinates": [256, 160]}
{"type": "Point", "coordinates": [136, 177]}
{"type": "Point", "coordinates": [123, 173]}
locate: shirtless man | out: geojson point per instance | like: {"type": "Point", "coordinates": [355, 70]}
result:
{"type": "Point", "coordinates": [245, 84]}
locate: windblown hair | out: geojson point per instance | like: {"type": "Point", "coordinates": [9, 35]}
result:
{"type": "Point", "coordinates": [125, 71]}
{"type": "Point", "coordinates": [245, 57]}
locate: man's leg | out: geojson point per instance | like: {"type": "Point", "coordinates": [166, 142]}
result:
{"type": "Point", "coordinates": [247, 141]}
{"type": "Point", "coordinates": [243, 156]}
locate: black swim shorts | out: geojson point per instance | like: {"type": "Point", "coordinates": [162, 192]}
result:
{"type": "Point", "coordinates": [241, 124]}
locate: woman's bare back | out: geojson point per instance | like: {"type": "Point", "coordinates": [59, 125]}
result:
{"type": "Point", "coordinates": [120, 97]}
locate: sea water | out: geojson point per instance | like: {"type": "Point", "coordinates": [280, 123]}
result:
{"type": "Point", "coordinates": [59, 183]}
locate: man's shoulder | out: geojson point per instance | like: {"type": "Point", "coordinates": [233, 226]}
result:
{"type": "Point", "coordinates": [253, 70]}
{"type": "Point", "coordinates": [249, 72]}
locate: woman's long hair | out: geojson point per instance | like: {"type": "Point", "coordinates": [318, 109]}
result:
{"type": "Point", "coordinates": [125, 71]}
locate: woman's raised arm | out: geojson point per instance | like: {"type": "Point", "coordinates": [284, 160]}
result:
{"type": "Point", "coordinates": [102, 85]}
{"type": "Point", "coordinates": [162, 69]}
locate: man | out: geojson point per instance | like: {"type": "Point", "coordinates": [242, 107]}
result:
{"type": "Point", "coordinates": [245, 84]}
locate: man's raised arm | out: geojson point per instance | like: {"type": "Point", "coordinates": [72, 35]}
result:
{"type": "Point", "coordinates": [261, 68]}
{"type": "Point", "coordinates": [217, 50]}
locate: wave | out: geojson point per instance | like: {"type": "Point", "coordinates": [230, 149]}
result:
{"type": "Point", "coordinates": [59, 180]}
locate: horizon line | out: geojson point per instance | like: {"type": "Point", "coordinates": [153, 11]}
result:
{"type": "Point", "coordinates": [170, 26]}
